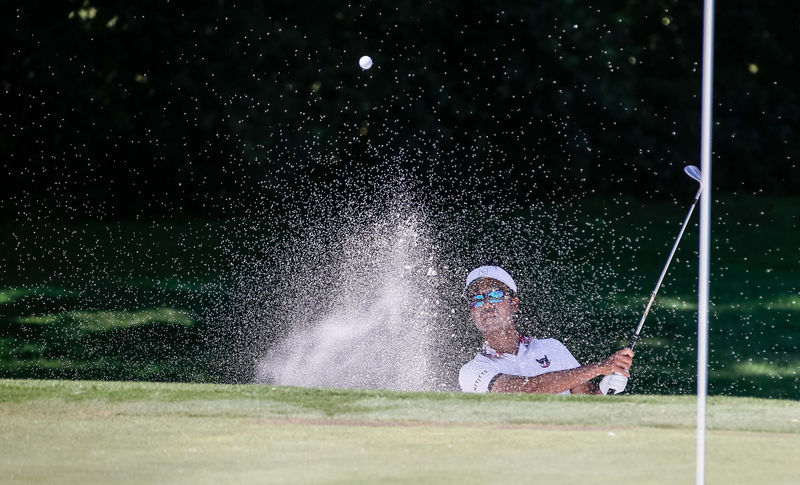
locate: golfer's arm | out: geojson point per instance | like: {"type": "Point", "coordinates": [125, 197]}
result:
{"type": "Point", "coordinates": [550, 383]}
{"type": "Point", "coordinates": [587, 387]}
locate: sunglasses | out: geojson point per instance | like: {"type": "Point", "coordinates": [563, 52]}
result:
{"type": "Point", "coordinates": [496, 296]}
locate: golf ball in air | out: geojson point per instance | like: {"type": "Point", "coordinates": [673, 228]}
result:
{"type": "Point", "coordinates": [365, 62]}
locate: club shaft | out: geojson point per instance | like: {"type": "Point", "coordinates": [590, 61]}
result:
{"type": "Point", "coordinates": [664, 271]}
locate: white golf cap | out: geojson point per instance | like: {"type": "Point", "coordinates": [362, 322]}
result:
{"type": "Point", "coordinates": [494, 272]}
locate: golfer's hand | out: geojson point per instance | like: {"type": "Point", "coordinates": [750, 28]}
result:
{"type": "Point", "coordinates": [620, 362]}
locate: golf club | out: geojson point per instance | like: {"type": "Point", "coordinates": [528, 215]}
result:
{"type": "Point", "coordinates": [616, 383]}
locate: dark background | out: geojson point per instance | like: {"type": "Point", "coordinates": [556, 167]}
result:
{"type": "Point", "coordinates": [122, 110]}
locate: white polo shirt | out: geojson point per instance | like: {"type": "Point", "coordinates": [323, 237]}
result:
{"type": "Point", "coordinates": [534, 357]}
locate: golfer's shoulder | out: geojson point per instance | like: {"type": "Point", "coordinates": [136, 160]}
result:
{"type": "Point", "coordinates": [478, 363]}
{"type": "Point", "coordinates": [549, 344]}
{"type": "Point", "coordinates": [478, 374]}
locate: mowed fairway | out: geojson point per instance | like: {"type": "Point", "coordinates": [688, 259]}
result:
{"type": "Point", "coordinates": [113, 432]}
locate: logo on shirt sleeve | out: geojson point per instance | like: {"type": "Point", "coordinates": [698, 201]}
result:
{"type": "Point", "coordinates": [479, 379]}
{"type": "Point", "coordinates": [544, 362]}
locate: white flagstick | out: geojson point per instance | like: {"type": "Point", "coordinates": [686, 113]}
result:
{"type": "Point", "coordinates": [705, 229]}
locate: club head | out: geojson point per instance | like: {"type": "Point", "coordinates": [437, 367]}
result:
{"type": "Point", "coordinates": [694, 172]}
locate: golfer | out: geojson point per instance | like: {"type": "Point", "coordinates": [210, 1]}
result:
{"type": "Point", "coordinates": [510, 362]}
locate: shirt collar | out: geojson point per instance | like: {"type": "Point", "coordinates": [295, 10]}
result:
{"type": "Point", "coordinates": [490, 352]}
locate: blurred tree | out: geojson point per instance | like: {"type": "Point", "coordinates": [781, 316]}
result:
{"type": "Point", "coordinates": [125, 110]}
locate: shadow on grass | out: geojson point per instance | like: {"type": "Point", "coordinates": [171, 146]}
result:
{"type": "Point", "coordinates": [155, 344]}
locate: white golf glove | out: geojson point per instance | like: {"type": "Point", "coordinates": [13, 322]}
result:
{"type": "Point", "coordinates": [613, 384]}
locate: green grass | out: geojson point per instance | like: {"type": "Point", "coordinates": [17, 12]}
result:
{"type": "Point", "coordinates": [126, 432]}
{"type": "Point", "coordinates": [11, 295]}
{"type": "Point", "coordinates": [85, 321]}
{"type": "Point", "coordinates": [131, 300]}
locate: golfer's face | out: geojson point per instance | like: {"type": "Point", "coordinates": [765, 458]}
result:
{"type": "Point", "coordinates": [491, 314]}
